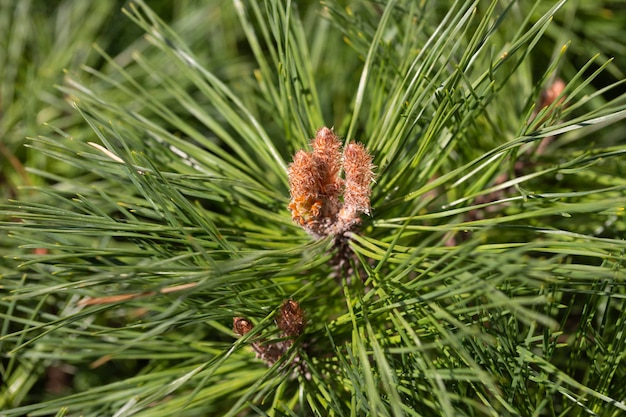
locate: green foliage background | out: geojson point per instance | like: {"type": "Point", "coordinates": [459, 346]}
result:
{"type": "Point", "coordinates": [151, 208]}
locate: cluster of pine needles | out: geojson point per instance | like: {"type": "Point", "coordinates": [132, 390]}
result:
{"type": "Point", "coordinates": [287, 208]}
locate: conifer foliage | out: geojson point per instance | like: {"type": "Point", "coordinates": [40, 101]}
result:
{"type": "Point", "coordinates": [200, 244]}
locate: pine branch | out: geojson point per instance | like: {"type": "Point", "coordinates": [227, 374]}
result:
{"type": "Point", "coordinates": [477, 270]}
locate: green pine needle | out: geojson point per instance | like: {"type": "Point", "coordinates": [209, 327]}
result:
{"type": "Point", "coordinates": [154, 213]}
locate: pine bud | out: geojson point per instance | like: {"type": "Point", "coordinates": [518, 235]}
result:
{"type": "Point", "coordinates": [305, 202]}
{"type": "Point", "coordinates": [327, 155]}
{"type": "Point", "coordinates": [357, 165]}
{"type": "Point", "coordinates": [291, 319]}
{"type": "Point", "coordinates": [314, 183]}
{"type": "Point", "coordinates": [241, 326]}
{"type": "Point", "coordinates": [291, 323]}
{"type": "Point", "coordinates": [316, 187]}
{"type": "Point", "coordinates": [550, 94]}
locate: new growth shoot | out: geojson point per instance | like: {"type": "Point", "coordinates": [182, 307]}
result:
{"type": "Point", "coordinates": [316, 185]}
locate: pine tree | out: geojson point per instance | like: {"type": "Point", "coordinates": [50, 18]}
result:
{"type": "Point", "coordinates": [280, 208]}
